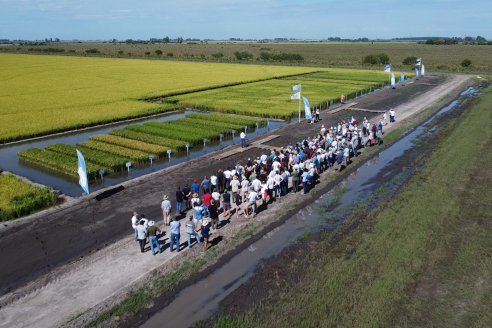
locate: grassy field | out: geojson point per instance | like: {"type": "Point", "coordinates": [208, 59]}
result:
{"type": "Point", "coordinates": [19, 198]}
{"type": "Point", "coordinates": [136, 143]}
{"type": "Point", "coordinates": [332, 54]}
{"type": "Point", "coordinates": [423, 260]}
{"type": "Point", "coordinates": [45, 94]}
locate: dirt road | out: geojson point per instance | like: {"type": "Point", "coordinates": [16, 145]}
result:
{"type": "Point", "coordinates": [96, 233]}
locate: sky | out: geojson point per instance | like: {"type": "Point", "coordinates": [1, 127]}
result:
{"type": "Point", "coordinates": [247, 19]}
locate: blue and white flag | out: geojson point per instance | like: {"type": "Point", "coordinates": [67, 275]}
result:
{"type": "Point", "coordinates": [422, 70]}
{"type": "Point", "coordinates": [82, 173]}
{"type": "Point", "coordinates": [417, 61]}
{"type": "Point", "coordinates": [387, 68]}
{"type": "Point", "coordinates": [416, 72]}
{"type": "Point", "coordinates": [296, 88]}
{"type": "Point", "coordinates": [393, 79]}
{"type": "Point", "coordinates": [296, 95]}
{"type": "Point", "coordinates": [307, 109]}
{"type": "Point", "coordinates": [402, 77]}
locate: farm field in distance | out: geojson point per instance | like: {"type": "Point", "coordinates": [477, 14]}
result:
{"type": "Point", "coordinates": [440, 58]}
{"type": "Point", "coordinates": [40, 95]}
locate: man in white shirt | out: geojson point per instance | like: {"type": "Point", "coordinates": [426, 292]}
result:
{"type": "Point", "coordinates": [278, 180]}
{"type": "Point", "coordinates": [135, 220]}
{"type": "Point", "coordinates": [213, 182]}
{"type": "Point", "coordinates": [256, 184]}
{"type": "Point", "coordinates": [270, 186]}
{"type": "Point", "coordinates": [384, 118]}
{"type": "Point", "coordinates": [227, 178]}
{"type": "Point", "coordinates": [392, 116]}
{"type": "Point", "coordinates": [252, 197]}
{"type": "Point", "coordinates": [243, 139]}
{"type": "Point", "coordinates": [244, 187]}
{"type": "Point", "coordinates": [276, 165]}
{"type": "Point", "coordinates": [263, 159]}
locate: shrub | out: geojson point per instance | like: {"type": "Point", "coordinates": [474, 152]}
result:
{"type": "Point", "coordinates": [120, 52]}
{"type": "Point", "coordinates": [218, 55]}
{"type": "Point", "coordinates": [381, 58]}
{"type": "Point", "coordinates": [466, 62]}
{"type": "Point", "coordinates": [147, 53]}
{"type": "Point", "coordinates": [243, 55]}
{"type": "Point", "coordinates": [409, 60]}
{"type": "Point", "coordinates": [158, 52]}
{"type": "Point", "coordinates": [92, 51]}
{"type": "Point", "coordinates": [170, 54]}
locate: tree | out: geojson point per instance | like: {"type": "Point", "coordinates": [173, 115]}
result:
{"type": "Point", "coordinates": [409, 60]}
{"type": "Point", "coordinates": [166, 39]}
{"type": "Point", "coordinates": [158, 52]}
{"type": "Point", "coordinates": [120, 52]}
{"type": "Point", "coordinates": [179, 40]}
{"type": "Point", "coordinates": [466, 62]}
{"type": "Point", "coordinates": [381, 58]}
{"type": "Point", "coordinates": [480, 38]}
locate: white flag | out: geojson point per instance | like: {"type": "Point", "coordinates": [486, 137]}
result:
{"type": "Point", "coordinates": [295, 96]}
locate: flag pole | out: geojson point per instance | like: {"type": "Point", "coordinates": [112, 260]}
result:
{"type": "Point", "coordinates": [300, 88]}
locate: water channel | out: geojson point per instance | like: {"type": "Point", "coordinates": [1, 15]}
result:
{"type": "Point", "coordinates": [201, 300]}
{"type": "Point", "coordinates": [69, 185]}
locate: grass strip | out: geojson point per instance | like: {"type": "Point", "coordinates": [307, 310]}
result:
{"type": "Point", "coordinates": [112, 150]}
{"type": "Point", "coordinates": [233, 119]}
{"type": "Point", "coordinates": [175, 145]}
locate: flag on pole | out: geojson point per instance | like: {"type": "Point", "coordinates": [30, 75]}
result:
{"type": "Point", "coordinates": [307, 109]}
{"type": "Point", "coordinates": [402, 77]}
{"type": "Point", "coordinates": [82, 173]}
{"type": "Point", "coordinates": [417, 61]}
{"type": "Point", "coordinates": [416, 72]}
{"type": "Point", "coordinates": [387, 68]}
{"type": "Point", "coordinates": [295, 96]}
{"type": "Point", "coordinates": [422, 70]}
{"type": "Point", "coordinates": [393, 79]}
{"type": "Point", "coordinates": [296, 88]}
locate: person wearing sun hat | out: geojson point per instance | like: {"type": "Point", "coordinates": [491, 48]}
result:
{"type": "Point", "coordinates": [205, 230]}
{"type": "Point", "coordinates": [166, 209]}
{"type": "Point", "coordinates": [152, 232]}
{"type": "Point", "coordinates": [195, 200]}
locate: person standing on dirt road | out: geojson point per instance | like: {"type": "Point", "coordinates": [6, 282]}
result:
{"type": "Point", "coordinates": [153, 231]}
{"type": "Point", "coordinates": [142, 235]}
{"type": "Point", "coordinates": [384, 118]}
{"type": "Point", "coordinates": [190, 231]}
{"type": "Point", "coordinates": [392, 115]}
{"type": "Point", "coordinates": [179, 200]}
{"type": "Point", "coordinates": [205, 230]}
{"type": "Point", "coordinates": [175, 232]}
{"type": "Point", "coordinates": [214, 214]}
{"type": "Point", "coordinates": [205, 185]}
{"type": "Point", "coordinates": [166, 209]}
{"type": "Point", "coordinates": [226, 202]}
{"type": "Point", "coordinates": [187, 197]}
{"type": "Point", "coordinates": [317, 115]}
{"type": "Point", "coordinates": [243, 139]}
{"type": "Point", "coordinates": [135, 220]}
{"type": "Point", "coordinates": [342, 98]}
{"type": "Point", "coordinates": [195, 187]}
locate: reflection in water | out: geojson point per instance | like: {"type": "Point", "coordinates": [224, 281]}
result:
{"type": "Point", "coordinates": [252, 247]}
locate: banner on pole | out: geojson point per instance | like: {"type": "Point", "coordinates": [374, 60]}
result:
{"type": "Point", "coordinates": [402, 77]}
{"type": "Point", "coordinates": [422, 70]}
{"type": "Point", "coordinates": [387, 68]}
{"type": "Point", "coordinates": [418, 61]}
{"type": "Point", "coordinates": [296, 88]}
{"type": "Point", "coordinates": [82, 173]}
{"type": "Point", "coordinates": [393, 79]}
{"type": "Point", "coordinates": [416, 72]}
{"type": "Point", "coordinates": [295, 96]}
{"type": "Point", "coordinates": [307, 109]}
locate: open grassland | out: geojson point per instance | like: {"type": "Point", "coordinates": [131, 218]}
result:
{"type": "Point", "coordinates": [45, 94]}
{"type": "Point", "coordinates": [272, 98]}
{"type": "Point", "coordinates": [423, 260]}
{"type": "Point", "coordinates": [333, 54]}
{"type": "Point", "coordinates": [136, 143]}
{"type": "Point", "coordinates": [19, 198]}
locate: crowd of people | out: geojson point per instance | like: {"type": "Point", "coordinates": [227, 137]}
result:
{"type": "Point", "coordinates": [237, 190]}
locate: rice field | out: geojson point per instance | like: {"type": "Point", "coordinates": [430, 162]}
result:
{"type": "Point", "coordinates": [136, 143]}
{"type": "Point", "coordinates": [40, 95]}
{"type": "Point", "coordinates": [18, 198]}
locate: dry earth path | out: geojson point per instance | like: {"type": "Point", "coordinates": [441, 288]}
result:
{"type": "Point", "coordinates": [53, 299]}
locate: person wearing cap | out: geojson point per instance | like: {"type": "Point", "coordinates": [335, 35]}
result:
{"type": "Point", "coordinates": [226, 202]}
{"type": "Point", "coordinates": [190, 231]}
{"type": "Point", "coordinates": [166, 209]}
{"type": "Point", "coordinates": [205, 230]}
{"type": "Point", "coordinates": [175, 233]}
{"type": "Point", "coordinates": [135, 220]}
{"type": "Point", "coordinates": [152, 232]}
{"type": "Point", "coordinates": [142, 235]}
{"type": "Point", "coordinates": [195, 187]}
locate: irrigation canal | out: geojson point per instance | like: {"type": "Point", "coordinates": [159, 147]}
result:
{"type": "Point", "coordinates": [201, 300]}
{"type": "Point", "coordinates": [69, 185]}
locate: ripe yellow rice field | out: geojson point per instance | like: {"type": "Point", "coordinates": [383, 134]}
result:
{"type": "Point", "coordinates": [45, 94]}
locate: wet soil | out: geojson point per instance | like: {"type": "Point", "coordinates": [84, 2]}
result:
{"type": "Point", "coordinates": [35, 248]}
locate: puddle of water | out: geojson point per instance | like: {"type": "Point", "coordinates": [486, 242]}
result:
{"type": "Point", "coordinates": [201, 300]}
{"type": "Point", "coordinates": [69, 185]}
